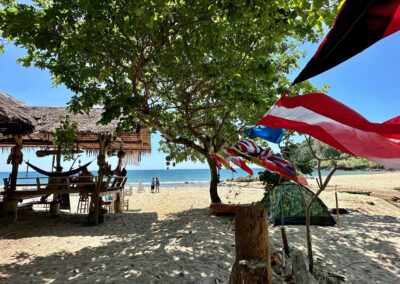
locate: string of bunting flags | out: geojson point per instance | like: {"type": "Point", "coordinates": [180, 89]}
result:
{"type": "Point", "coordinates": [248, 150]}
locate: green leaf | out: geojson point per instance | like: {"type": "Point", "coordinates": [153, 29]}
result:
{"type": "Point", "coordinates": [199, 71]}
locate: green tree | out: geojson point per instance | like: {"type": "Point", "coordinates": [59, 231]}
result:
{"type": "Point", "coordinates": [64, 137]}
{"type": "Point", "coordinates": [325, 151]}
{"type": "Point", "coordinates": [328, 154]}
{"type": "Point", "coordinates": [197, 71]}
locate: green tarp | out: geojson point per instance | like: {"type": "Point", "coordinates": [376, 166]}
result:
{"type": "Point", "coordinates": [290, 199]}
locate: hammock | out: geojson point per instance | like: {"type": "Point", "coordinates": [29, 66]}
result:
{"type": "Point", "coordinates": [55, 174]}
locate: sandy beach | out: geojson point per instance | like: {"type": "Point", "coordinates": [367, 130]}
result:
{"type": "Point", "coordinates": [170, 237]}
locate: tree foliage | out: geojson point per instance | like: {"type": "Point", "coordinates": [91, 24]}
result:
{"type": "Point", "coordinates": [332, 156]}
{"type": "Point", "coordinates": [64, 137]}
{"type": "Point", "coordinates": [197, 71]}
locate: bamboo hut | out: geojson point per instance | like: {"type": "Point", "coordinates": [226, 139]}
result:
{"type": "Point", "coordinates": [92, 137]}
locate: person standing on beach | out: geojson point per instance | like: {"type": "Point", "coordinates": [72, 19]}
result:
{"type": "Point", "coordinates": [152, 185]}
{"type": "Point", "coordinates": [157, 185]}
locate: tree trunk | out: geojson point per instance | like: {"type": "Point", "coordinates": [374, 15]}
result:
{"type": "Point", "coordinates": [214, 180]}
{"type": "Point", "coordinates": [10, 206]}
{"type": "Point", "coordinates": [101, 162]}
{"type": "Point", "coordinates": [252, 256]}
{"type": "Point", "coordinates": [322, 186]}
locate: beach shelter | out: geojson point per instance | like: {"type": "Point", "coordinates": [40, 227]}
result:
{"type": "Point", "coordinates": [287, 202]}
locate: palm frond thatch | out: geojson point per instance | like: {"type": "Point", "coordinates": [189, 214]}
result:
{"type": "Point", "coordinates": [43, 120]}
{"type": "Point", "coordinates": [14, 118]}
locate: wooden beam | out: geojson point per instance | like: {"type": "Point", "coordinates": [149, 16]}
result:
{"type": "Point", "coordinates": [43, 153]}
{"type": "Point", "coordinates": [32, 193]}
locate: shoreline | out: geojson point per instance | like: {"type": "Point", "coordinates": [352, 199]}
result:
{"type": "Point", "coordinates": [201, 181]}
{"type": "Point", "coordinates": [170, 237]}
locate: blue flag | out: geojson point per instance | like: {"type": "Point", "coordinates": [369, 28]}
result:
{"type": "Point", "coordinates": [267, 133]}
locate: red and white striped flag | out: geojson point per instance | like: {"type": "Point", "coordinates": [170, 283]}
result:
{"type": "Point", "coordinates": [339, 126]}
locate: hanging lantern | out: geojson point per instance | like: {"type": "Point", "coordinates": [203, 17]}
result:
{"type": "Point", "coordinates": [168, 158]}
{"type": "Point", "coordinates": [121, 154]}
{"type": "Point", "coordinates": [167, 163]}
{"type": "Point", "coordinates": [138, 127]}
{"type": "Point", "coordinates": [173, 164]}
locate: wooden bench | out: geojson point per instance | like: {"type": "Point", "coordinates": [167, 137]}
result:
{"type": "Point", "coordinates": [29, 205]}
{"type": "Point", "coordinates": [26, 206]}
{"type": "Point", "coordinates": [71, 185]}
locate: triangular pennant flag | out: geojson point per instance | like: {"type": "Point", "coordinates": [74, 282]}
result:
{"type": "Point", "coordinates": [270, 134]}
{"type": "Point", "coordinates": [359, 24]}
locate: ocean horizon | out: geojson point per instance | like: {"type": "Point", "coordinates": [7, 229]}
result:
{"type": "Point", "coordinates": [179, 177]}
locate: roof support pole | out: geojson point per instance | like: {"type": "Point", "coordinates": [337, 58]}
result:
{"type": "Point", "coordinates": [55, 205]}
{"type": "Point", "coordinates": [15, 158]}
{"type": "Point", "coordinates": [104, 142]}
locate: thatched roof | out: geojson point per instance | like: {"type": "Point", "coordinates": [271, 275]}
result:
{"type": "Point", "coordinates": [46, 119]}
{"type": "Point", "coordinates": [13, 116]}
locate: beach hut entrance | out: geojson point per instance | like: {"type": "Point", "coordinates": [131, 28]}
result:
{"type": "Point", "coordinates": [285, 203]}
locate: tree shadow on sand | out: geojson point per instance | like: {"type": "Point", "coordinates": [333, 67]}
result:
{"type": "Point", "coordinates": [193, 247]}
{"type": "Point", "coordinates": [41, 224]}
{"type": "Point", "coordinates": [364, 249]}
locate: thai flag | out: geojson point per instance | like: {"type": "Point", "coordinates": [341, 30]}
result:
{"type": "Point", "coordinates": [339, 126]}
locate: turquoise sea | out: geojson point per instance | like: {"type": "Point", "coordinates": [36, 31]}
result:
{"type": "Point", "coordinates": [180, 178]}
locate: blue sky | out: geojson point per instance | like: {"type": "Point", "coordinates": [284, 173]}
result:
{"type": "Point", "coordinates": [369, 83]}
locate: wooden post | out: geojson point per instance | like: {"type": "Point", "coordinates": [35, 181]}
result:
{"type": "Point", "coordinates": [55, 205]}
{"type": "Point", "coordinates": [15, 159]}
{"type": "Point", "coordinates": [6, 184]}
{"type": "Point", "coordinates": [101, 162]}
{"type": "Point", "coordinates": [285, 241]}
{"type": "Point", "coordinates": [68, 183]}
{"type": "Point", "coordinates": [299, 270]}
{"type": "Point", "coordinates": [337, 208]}
{"type": "Point", "coordinates": [10, 207]}
{"type": "Point", "coordinates": [10, 210]}
{"type": "Point", "coordinates": [252, 263]}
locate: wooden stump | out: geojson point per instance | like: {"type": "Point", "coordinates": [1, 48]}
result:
{"type": "Point", "coordinates": [55, 208]}
{"type": "Point", "coordinates": [299, 270]}
{"type": "Point", "coordinates": [252, 263]}
{"type": "Point", "coordinates": [10, 210]}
